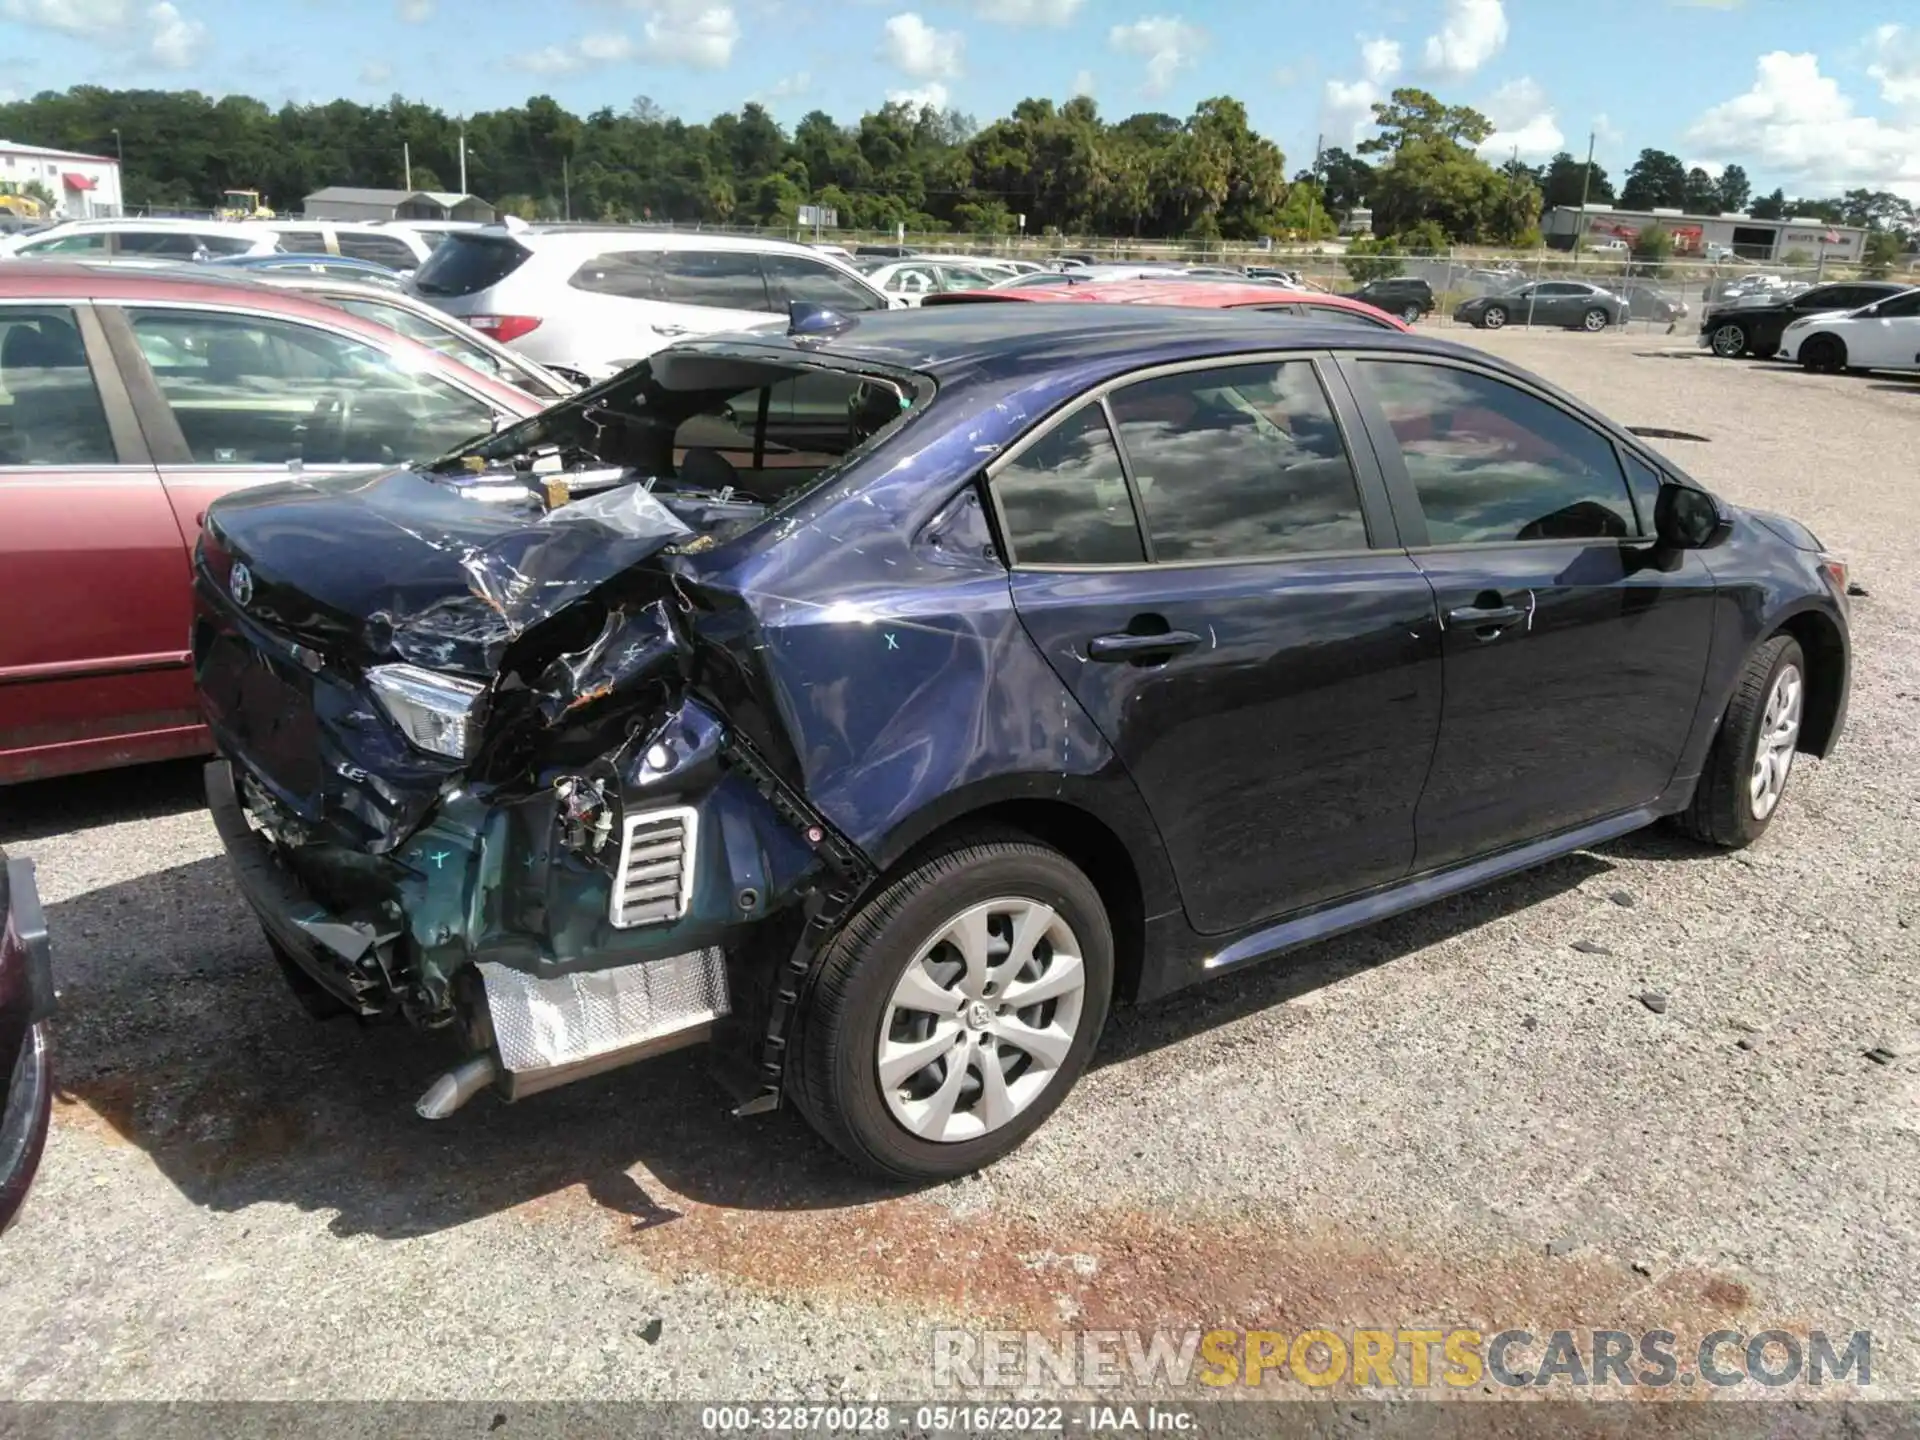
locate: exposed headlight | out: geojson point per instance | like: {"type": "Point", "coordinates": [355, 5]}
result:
{"type": "Point", "coordinates": [436, 712]}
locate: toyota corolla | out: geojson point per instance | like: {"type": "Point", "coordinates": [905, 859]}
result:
{"type": "Point", "coordinates": [883, 701]}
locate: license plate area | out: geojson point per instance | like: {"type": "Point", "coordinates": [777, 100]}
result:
{"type": "Point", "coordinates": [264, 708]}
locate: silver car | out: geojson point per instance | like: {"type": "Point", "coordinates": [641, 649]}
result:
{"type": "Point", "coordinates": [588, 301]}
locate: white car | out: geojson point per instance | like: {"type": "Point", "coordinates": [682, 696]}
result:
{"type": "Point", "coordinates": [1610, 245]}
{"type": "Point", "coordinates": [148, 240]}
{"type": "Point", "coordinates": [911, 281]}
{"type": "Point", "coordinates": [1882, 336]}
{"type": "Point", "coordinates": [588, 301]}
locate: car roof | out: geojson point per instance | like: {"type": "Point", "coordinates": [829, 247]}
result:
{"type": "Point", "coordinates": [1200, 294]}
{"type": "Point", "coordinates": [249, 229]}
{"type": "Point", "coordinates": [595, 237]}
{"type": "Point", "coordinates": [955, 343]}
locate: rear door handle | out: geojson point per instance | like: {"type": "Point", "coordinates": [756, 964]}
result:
{"type": "Point", "coordinates": [1128, 646]}
{"type": "Point", "coordinates": [1492, 615]}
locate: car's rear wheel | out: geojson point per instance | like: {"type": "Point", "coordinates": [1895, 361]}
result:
{"type": "Point", "coordinates": [1729, 342]}
{"type": "Point", "coordinates": [1494, 317]}
{"type": "Point", "coordinates": [1826, 354]}
{"type": "Point", "coordinates": [1747, 769]}
{"type": "Point", "coordinates": [1594, 321]}
{"type": "Point", "coordinates": [955, 1010]}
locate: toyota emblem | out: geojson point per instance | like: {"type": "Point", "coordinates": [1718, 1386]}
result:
{"type": "Point", "coordinates": [240, 585]}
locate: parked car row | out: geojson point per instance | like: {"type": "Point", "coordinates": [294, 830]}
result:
{"type": "Point", "coordinates": [1756, 324]}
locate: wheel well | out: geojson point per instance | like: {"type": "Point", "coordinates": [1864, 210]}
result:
{"type": "Point", "coordinates": [1088, 843]}
{"type": "Point", "coordinates": [1826, 656]}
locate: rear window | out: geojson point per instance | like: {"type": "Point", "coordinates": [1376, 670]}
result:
{"type": "Point", "coordinates": [379, 249]}
{"type": "Point", "coordinates": [468, 264]}
{"type": "Point", "coordinates": [303, 242]}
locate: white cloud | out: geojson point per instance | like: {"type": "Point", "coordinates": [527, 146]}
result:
{"type": "Point", "coordinates": [376, 72]}
{"type": "Point", "coordinates": [71, 17]}
{"type": "Point", "coordinates": [932, 93]}
{"type": "Point", "coordinates": [175, 42]}
{"type": "Point", "coordinates": [911, 45]}
{"type": "Point", "coordinates": [1795, 123]}
{"type": "Point", "coordinates": [1346, 106]}
{"type": "Point", "coordinates": [1083, 84]}
{"type": "Point", "coordinates": [1522, 118]}
{"type": "Point", "coordinates": [1167, 43]}
{"type": "Point", "coordinates": [1896, 66]}
{"type": "Point", "coordinates": [1054, 13]}
{"type": "Point", "coordinates": [416, 12]}
{"type": "Point", "coordinates": [786, 87]}
{"type": "Point", "coordinates": [692, 33]}
{"type": "Point", "coordinates": [587, 53]}
{"type": "Point", "coordinates": [1473, 32]}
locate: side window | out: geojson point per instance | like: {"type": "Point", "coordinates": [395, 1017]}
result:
{"type": "Point", "coordinates": [713, 279]}
{"type": "Point", "coordinates": [50, 412]}
{"type": "Point", "coordinates": [912, 280]}
{"type": "Point", "coordinates": [1343, 317]}
{"type": "Point", "coordinates": [1901, 306]}
{"type": "Point", "coordinates": [1492, 463]}
{"type": "Point", "coordinates": [92, 242]}
{"type": "Point", "coordinates": [1560, 287]}
{"type": "Point", "coordinates": [380, 249]}
{"type": "Point", "coordinates": [403, 321]}
{"type": "Point", "coordinates": [630, 274]}
{"type": "Point", "coordinates": [790, 277]}
{"type": "Point", "coordinates": [160, 244]}
{"type": "Point", "coordinates": [303, 242]}
{"type": "Point", "coordinates": [1064, 500]}
{"type": "Point", "coordinates": [1644, 481]}
{"type": "Point", "coordinates": [247, 390]}
{"type": "Point", "coordinates": [216, 244]}
{"type": "Point", "coordinates": [1240, 463]}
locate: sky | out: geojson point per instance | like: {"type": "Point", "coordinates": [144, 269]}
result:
{"type": "Point", "coordinates": [1811, 97]}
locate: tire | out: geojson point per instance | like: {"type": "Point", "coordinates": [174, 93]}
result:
{"type": "Point", "coordinates": [317, 1002]}
{"type": "Point", "coordinates": [1729, 342]}
{"type": "Point", "coordinates": [1595, 320]}
{"type": "Point", "coordinates": [855, 1009]}
{"type": "Point", "coordinates": [1411, 315]}
{"type": "Point", "coordinates": [1763, 718]}
{"type": "Point", "coordinates": [1824, 354]}
{"type": "Point", "coordinates": [1494, 317]}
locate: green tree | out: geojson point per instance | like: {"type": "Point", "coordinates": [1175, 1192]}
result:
{"type": "Point", "coordinates": [1652, 248]}
{"type": "Point", "coordinates": [1410, 114]}
{"type": "Point", "coordinates": [1882, 252]}
{"type": "Point", "coordinates": [1700, 195]}
{"type": "Point", "coordinates": [1735, 190]}
{"type": "Point", "coordinates": [1657, 180]}
{"type": "Point", "coordinates": [1368, 259]}
{"type": "Point", "coordinates": [1566, 180]}
{"type": "Point", "coordinates": [1770, 207]}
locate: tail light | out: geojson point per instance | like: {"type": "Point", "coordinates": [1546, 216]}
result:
{"type": "Point", "coordinates": [504, 328]}
{"type": "Point", "coordinates": [1834, 571]}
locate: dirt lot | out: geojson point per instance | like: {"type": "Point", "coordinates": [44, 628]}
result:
{"type": "Point", "coordinates": [1457, 1118]}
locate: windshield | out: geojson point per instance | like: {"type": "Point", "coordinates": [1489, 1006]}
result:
{"type": "Point", "coordinates": [717, 422]}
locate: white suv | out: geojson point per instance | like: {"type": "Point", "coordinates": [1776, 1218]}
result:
{"type": "Point", "coordinates": [158, 240]}
{"type": "Point", "coordinates": [589, 301]}
{"type": "Point", "coordinates": [394, 246]}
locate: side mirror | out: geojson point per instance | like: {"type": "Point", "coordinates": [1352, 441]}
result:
{"type": "Point", "coordinates": [1688, 519]}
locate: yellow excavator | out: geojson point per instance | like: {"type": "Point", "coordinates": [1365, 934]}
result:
{"type": "Point", "coordinates": [21, 207]}
{"type": "Point", "coordinates": [243, 205]}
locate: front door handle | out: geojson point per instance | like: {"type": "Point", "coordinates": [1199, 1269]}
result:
{"type": "Point", "coordinates": [1490, 615]}
{"type": "Point", "coordinates": [1127, 646]}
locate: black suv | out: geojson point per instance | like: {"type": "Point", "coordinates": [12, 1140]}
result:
{"type": "Point", "coordinates": [1404, 295]}
{"type": "Point", "coordinates": [1733, 330]}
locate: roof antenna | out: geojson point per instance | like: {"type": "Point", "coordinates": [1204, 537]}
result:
{"type": "Point", "coordinates": [808, 319]}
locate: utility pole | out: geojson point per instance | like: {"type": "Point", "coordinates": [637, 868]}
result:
{"type": "Point", "coordinates": [406, 163]}
{"type": "Point", "coordinates": [120, 168]}
{"type": "Point", "coordinates": [463, 158]}
{"type": "Point", "coordinates": [1586, 183]}
{"type": "Point", "coordinates": [566, 186]}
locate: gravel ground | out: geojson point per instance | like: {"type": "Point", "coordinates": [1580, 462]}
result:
{"type": "Point", "coordinates": [1459, 1117]}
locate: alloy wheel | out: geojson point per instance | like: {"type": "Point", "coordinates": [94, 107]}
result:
{"type": "Point", "coordinates": [1494, 318]}
{"type": "Point", "coordinates": [1411, 315]}
{"type": "Point", "coordinates": [982, 1019]}
{"type": "Point", "coordinates": [1729, 342]}
{"type": "Point", "coordinates": [1773, 749]}
{"type": "Point", "coordinates": [1594, 321]}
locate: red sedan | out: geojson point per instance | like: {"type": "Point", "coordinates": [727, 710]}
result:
{"type": "Point", "coordinates": [1208, 294]}
{"type": "Point", "coordinates": [129, 399]}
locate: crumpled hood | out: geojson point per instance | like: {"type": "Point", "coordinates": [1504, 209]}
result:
{"type": "Point", "coordinates": [408, 564]}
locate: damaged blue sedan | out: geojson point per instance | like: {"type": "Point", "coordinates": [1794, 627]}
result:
{"type": "Point", "coordinates": [883, 700]}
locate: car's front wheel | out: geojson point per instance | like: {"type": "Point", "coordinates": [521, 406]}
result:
{"type": "Point", "coordinates": [1826, 354]}
{"type": "Point", "coordinates": [1747, 769]}
{"type": "Point", "coordinates": [955, 1009]}
{"type": "Point", "coordinates": [1594, 321]}
{"type": "Point", "coordinates": [1493, 318]}
{"type": "Point", "coordinates": [1729, 341]}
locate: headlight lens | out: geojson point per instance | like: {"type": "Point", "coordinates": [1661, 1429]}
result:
{"type": "Point", "coordinates": [438, 713]}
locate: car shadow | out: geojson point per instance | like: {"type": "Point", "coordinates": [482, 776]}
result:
{"type": "Point", "coordinates": [176, 1036]}
{"type": "Point", "coordinates": [41, 808]}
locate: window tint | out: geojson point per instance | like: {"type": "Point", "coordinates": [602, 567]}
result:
{"type": "Point", "coordinates": [630, 274]}
{"type": "Point", "coordinates": [93, 242]}
{"type": "Point", "coordinates": [216, 244]}
{"type": "Point", "coordinates": [1492, 463]}
{"type": "Point", "coordinates": [165, 245]}
{"type": "Point", "coordinates": [50, 412]}
{"type": "Point", "coordinates": [912, 280]}
{"type": "Point", "coordinates": [1900, 305]}
{"type": "Point", "coordinates": [1561, 287]}
{"type": "Point", "coordinates": [792, 277]}
{"type": "Point", "coordinates": [465, 264]}
{"type": "Point", "coordinates": [303, 242]}
{"type": "Point", "coordinates": [1338, 316]}
{"type": "Point", "coordinates": [713, 279]}
{"type": "Point", "coordinates": [963, 277]}
{"type": "Point", "coordinates": [1065, 502]}
{"type": "Point", "coordinates": [380, 249]}
{"type": "Point", "coordinates": [1835, 297]}
{"type": "Point", "coordinates": [1644, 481]}
{"type": "Point", "coordinates": [252, 391]}
{"type": "Point", "coordinates": [1240, 462]}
